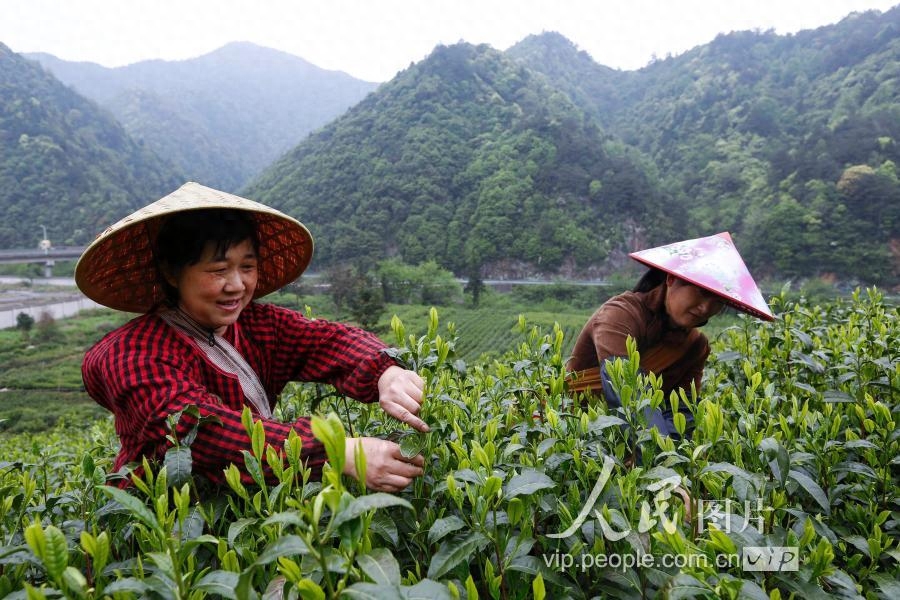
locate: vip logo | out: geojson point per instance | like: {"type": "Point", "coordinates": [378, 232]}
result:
{"type": "Point", "coordinates": [771, 558]}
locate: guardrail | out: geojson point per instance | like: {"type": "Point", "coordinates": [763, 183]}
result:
{"type": "Point", "coordinates": [23, 255]}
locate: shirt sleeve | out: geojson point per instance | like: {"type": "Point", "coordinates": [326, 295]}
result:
{"type": "Point", "coordinates": [612, 325]}
{"type": "Point", "coordinates": [302, 349]}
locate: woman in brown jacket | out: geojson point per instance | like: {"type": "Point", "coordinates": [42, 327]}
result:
{"type": "Point", "coordinates": [688, 283]}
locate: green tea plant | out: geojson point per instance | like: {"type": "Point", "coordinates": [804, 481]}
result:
{"type": "Point", "coordinates": [529, 491]}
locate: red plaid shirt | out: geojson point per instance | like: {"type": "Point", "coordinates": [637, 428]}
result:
{"type": "Point", "coordinates": [142, 372]}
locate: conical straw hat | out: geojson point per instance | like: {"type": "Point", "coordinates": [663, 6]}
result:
{"type": "Point", "coordinates": [712, 263]}
{"type": "Point", "coordinates": [119, 270]}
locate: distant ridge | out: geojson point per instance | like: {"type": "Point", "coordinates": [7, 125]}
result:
{"type": "Point", "coordinates": [534, 162]}
{"type": "Point", "coordinates": [221, 117]}
{"type": "Point", "coordinates": [468, 159]}
{"type": "Point", "coordinates": [789, 142]}
{"type": "Point", "coordinates": [65, 164]}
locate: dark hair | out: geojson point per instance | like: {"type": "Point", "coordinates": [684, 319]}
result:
{"type": "Point", "coordinates": [649, 280]}
{"type": "Point", "coordinates": [184, 235]}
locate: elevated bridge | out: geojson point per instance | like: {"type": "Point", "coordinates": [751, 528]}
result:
{"type": "Point", "coordinates": [46, 255]}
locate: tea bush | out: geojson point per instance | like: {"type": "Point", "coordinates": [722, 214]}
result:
{"type": "Point", "coordinates": [528, 492]}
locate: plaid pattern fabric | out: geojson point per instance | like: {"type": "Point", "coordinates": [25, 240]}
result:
{"type": "Point", "coordinates": [224, 356]}
{"type": "Point", "coordinates": [142, 372]}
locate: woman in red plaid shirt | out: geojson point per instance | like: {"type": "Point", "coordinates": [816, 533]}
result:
{"type": "Point", "coordinates": [193, 263]}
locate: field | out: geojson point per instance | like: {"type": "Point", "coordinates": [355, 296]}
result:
{"type": "Point", "coordinates": [789, 485]}
{"type": "Point", "coordinates": [40, 373]}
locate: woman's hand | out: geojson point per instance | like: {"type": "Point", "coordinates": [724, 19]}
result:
{"type": "Point", "coordinates": [400, 394]}
{"type": "Point", "coordinates": [386, 468]}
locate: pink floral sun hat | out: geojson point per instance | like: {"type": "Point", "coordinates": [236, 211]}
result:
{"type": "Point", "coordinates": [712, 263]}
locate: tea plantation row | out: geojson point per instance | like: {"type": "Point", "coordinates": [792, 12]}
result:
{"type": "Point", "coordinates": [788, 487]}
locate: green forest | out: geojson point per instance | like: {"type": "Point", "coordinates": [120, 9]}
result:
{"type": "Point", "coordinates": [64, 162]}
{"type": "Point", "coordinates": [560, 167]}
{"type": "Point", "coordinates": [531, 162]}
{"type": "Point", "coordinates": [791, 141]}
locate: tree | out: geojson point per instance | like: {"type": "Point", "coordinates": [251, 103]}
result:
{"type": "Point", "coordinates": [366, 304]}
{"type": "Point", "coordinates": [340, 284]}
{"type": "Point", "coordinates": [47, 329]}
{"type": "Point", "coordinates": [24, 323]}
{"type": "Point", "coordinates": [475, 285]}
{"type": "Point", "coordinates": [426, 283]}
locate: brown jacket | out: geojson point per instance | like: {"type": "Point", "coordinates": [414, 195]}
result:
{"type": "Point", "coordinates": [675, 354]}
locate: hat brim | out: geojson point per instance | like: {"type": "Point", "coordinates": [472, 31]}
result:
{"type": "Point", "coordinates": [119, 269]}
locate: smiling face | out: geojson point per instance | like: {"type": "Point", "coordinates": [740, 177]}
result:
{"type": "Point", "coordinates": [690, 306]}
{"type": "Point", "coordinates": [215, 289]}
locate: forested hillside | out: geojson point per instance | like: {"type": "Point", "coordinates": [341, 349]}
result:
{"type": "Point", "coordinates": [65, 163]}
{"type": "Point", "coordinates": [536, 161]}
{"type": "Point", "coordinates": [471, 160]}
{"type": "Point", "coordinates": [221, 117]}
{"type": "Point", "coordinates": [791, 142]}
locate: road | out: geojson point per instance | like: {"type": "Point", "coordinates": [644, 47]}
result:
{"type": "Point", "coordinates": [61, 281]}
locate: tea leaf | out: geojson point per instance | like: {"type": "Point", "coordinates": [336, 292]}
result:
{"type": "Point", "coordinates": [384, 526]}
{"type": "Point", "coordinates": [380, 566]}
{"type": "Point", "coordinates": [287, 545]}
{"type": "Point", "coordinates": [164, 562]}
{"type": "Point", "coordinates": [235, 528]}
{"type": "Point", "coordinates": [330, 432]}
{"type": "Point", "coordinates": [750, 590]}
{"type": "Point", "coordinates": [779, 461]}
{"type": "Point", "coordinates": [75, 581]}
{"type": "Point", "coordinates": [685, 586]}
{"type": "Point", "coordinates": [219, 583]}
{"type": "Point", "coordinates": [604, 421]}
{"type": "Point", "coordinates": [728, 356]}
{"type": "Point", "coordinates": [253, 467]}
{"type": "Point", "coordinates": [127, 585]}
{"type": "Point", "coordinates": [133, 505]}
{"type": "Point", "coordinates": [97, 547]}
{"type": "Point", "coordinates": [858, 542]}
{"type": "Point", "coordinates": [527, 483]}
{"type": "Point", "coordinates": [838, 396]}
{"type": "Point", "coordinates": [812, 488]}
{"type": "Point", "coordinates": [55, 552]}
{"type": "Point", "coordinates": [411, 445]}
{"type": "Point", "coordinates": [451, 553]}
{"type": "Point", "coordinates": [537, 587]}
{"type": "Point", "coordinates": [426, 589]}
{"type": "Point", "coordinates": [282, 518]}
{"type": "Point", "coordinates": [442, 527]}
{"type": "Point", "coordinates": [258, 439]}
{"type": "Point", "coordinates": [889, 586]}
{"type": "Point", "coordinates": [310, 590]}
{"type": "Point", "coordinates": [372, 591]}
{"type": "Point", "coordinates": [363, 504]}
{"type": "Point", "coordinates": [178, 465]}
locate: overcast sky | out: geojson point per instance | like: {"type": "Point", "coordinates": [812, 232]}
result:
{"type": "Point", "coordinates": [374, 39]}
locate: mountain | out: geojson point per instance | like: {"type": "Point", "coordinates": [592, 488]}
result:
{"type": "Point", "coordinates": [595, 88]}
{"type": "Point", "coordinates": [471, 160]}
{"type": "Point", "coordinates": [65, 163]}
{"type": "Point", "coordinates": [533, 161]}
{"type": "Point", "coordinates": [222, 117]}
{"type": "Point", "coordinates": [790, 142]}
